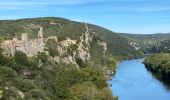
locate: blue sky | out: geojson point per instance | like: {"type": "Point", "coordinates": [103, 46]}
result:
{"type": "Point", "coordinates": [130, 16]}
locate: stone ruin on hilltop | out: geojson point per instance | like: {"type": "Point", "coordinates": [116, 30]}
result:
{"type": "Point", "coordinates": [30, 47]}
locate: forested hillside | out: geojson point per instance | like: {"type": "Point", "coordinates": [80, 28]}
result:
{"type": "Point", "coordinates": [145, 42]}
{"type": "Point", "coordinates": [75, 64]}
{"type": "Point", "coordinates": [163, 46]}
{"type": "Point", "coordinates": [159, 64]}
{"type": "Point", "coordinates": [43, 77]}
{"type": "Point", "coordinates": [118, 45]}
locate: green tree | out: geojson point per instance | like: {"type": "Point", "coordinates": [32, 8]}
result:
{"type": "Point", "coordinates": [80, 62]}
{"type": "Point", "coordinates": [52, 46]}
{"type": "Point", "coordinates": [84, 91]}
{"type": "Point", "coordinates": [96, 76]}
{"type": "Point", "coordinates": [43, 57]}
{"type": "Point", "coordinates": [36, 94]}
{"type": "Point", "coordinates": [7, 76]}
{"type": "Point", "coordinates": [24, 85]}
{"type": "Point", "coordinates": [21, 58]}
{"type": "Point", "coordinates": [159, 64]}
{"type": "Point", "coordinates": [105, 94]}
{"type": "Point", "coordinates": [111, 64]}
{"type": "Point", "coordinates": [67, 77]}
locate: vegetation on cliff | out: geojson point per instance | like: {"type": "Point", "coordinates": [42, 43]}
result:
{"type": "Point", "coordinates": [118, 44]}
{"type": "Point", "coordinates": [41, 77]}
{"type": "Point", "coordinates": [50, 81]}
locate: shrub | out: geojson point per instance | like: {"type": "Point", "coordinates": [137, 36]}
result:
{"type": "Point", "coordinates": [67, 77]}
{"type": "Point", "coordinates": [84, 91]}
{"type": "Point", "coordinates": [21, 58]}
{"type": "Point", "coordinates": [43, 57]}
{"type": "Point", "coordinates": [96, 76]}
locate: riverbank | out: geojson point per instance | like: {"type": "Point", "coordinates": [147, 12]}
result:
{"type": "Point", "coordinates": [132, 81]}
{"type": "Point", "coordinates": [159, 64]}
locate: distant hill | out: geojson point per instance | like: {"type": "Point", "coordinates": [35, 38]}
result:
{"type": "Point", "coordinates": [163, 46]}
{"type": "Point", "coordinates": [118, 44]}
{"type": "Point", "coordinates": [145, 42]}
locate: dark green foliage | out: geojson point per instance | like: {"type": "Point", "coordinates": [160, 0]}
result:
{"type": "Point", "coordinates": [89, 91]}
{"type": "Point", "coordinates": [21, 58]}
{"type": "Point", "coordinates": [33, 63]}
{"type": "Point", "coordinates": [24, 85]}
{"type": "Point", "coordinates": [97, 55]}
{"type": "Point", "coordinates": [162, 47]}
{"type": "Point", "coordinates": [28, 79]}
{"type": "Point", "coordinates": [6, 61]}
{"type": "Point", "coordinates": [73, 47]}
{"type": "Point", "coordinates": [67, 77]}
{"type": "Point", "coordinates": [111, 64]}
{"type": "Point", "coordinates": [36, 94]}
{"type": "Point", "coordinates": [117, 44]}
{"type": "Point", "coordinates": [84, 91]}
{"type": "Point", "coordinates": [80, 84]}
{"type": "Point", "coordinates": [160, 65]}
{"type": "Point", "coordinates": [105, 94]}
{"type": "Point", "coordinates": [43, 57]}
{"type": "Point", "coordinates": [7, 73]}
{"type": "Point", "coordinates": [80, 62]}
{"type": "Point", "coordinates": [96, 76]}
{"type": "Point", "coordinates": [53, 52]}
{"type": "Point", "coordinates": [52, 47]}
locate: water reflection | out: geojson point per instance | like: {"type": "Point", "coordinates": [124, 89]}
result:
{"type": "Point", "coordinates": [166, 84]}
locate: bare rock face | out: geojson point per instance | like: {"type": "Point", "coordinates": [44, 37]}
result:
{"type": "Point", "coordinates": [82, 50]}
{"type": "Point", "coordinates": [30, 47]}
{"type": "Point", "coordinates": [84, 46]}
{"type": "Point", "coordinates": [67, 53]}
{"type": "Point", "coordinates": [104, 45]}
{"type": "Point", "coordinates": [8, 47]}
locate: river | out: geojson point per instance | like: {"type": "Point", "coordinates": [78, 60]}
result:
{"type": "Point", "coordinates": [132, 81]}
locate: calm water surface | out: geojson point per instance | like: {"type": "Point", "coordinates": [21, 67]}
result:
{"type": "Point", "coordinates": [133, 82]}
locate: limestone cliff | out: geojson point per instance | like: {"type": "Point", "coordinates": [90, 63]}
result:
{"type": "Point", "coordinates": [69, 51]}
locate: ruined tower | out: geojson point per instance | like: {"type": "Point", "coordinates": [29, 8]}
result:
{"type": "Point", "coordinates": [40, 33]}
{"type": "Point", "coordinates": [24, 36]}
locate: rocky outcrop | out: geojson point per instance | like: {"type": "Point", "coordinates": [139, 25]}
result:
{"type": "Point", "coordinates": [79, 49]}
{"type": "Point", "coordinates": [30, 47]}
{"type": "Point", "coordinates": [68, 50]}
